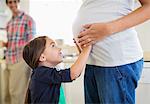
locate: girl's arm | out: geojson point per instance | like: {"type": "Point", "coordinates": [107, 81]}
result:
{"type": "Point", "coordinates": [80, 63]}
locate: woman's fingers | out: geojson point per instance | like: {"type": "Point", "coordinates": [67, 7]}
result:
{"type": "Point", "coordinates": [87, 41]}
{"type": "Point", "coordinates": [84, 33]}
{"type": "Point", "coordinates": [87, 26]}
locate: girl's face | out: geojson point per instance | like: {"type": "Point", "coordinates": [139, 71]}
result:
{"type": "Point", "coordinates": [52, 53]}
{"type": "Point", "coordinates": [13, 5]}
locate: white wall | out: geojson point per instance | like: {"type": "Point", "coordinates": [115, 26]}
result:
{"type": "Point", "coordinates": [143, 32]}
{"type": "Point", "coordinates": [24, 5]}
{"type": "Point", "coordinates": [3, 14]}
{"type": "Point", "coordinates": [144, 35]}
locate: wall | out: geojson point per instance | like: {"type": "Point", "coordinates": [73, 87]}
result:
{"type": "Point", "coordinates": [144, 35]}
{"type": "Point", "coordinates": [143, 32]}
{"type": "Point", "coordinates": [4, 14]}
{"type": "Point", "coordinates": [24, 5]}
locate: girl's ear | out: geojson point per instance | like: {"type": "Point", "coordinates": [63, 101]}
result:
{"type": "Point", "coordinates": [42, 58]}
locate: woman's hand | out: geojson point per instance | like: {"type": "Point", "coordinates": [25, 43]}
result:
{"type": "Point", "coordinates": [93, 33]}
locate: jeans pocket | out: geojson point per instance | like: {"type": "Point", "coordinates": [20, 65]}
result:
{"type": "Point", "coordinates": [120, 79]}
{"type": "Point", "coordinates": [127, 83]}
{"type": "Point", "coordinates": [119, 74]}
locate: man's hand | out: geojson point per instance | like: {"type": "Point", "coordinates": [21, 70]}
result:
{"type": "Point", "coordinates": [1, 43]}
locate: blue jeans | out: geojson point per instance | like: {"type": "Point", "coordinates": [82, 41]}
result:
{"type": "Point", "coordinates": [112, 85]}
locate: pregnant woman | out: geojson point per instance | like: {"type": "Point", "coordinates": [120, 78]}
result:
{"type": "Point", "coordinates": [116, 60]}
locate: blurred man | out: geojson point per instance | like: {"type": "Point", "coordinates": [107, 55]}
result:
{"type": "Point", "coordinates": [20, 29]}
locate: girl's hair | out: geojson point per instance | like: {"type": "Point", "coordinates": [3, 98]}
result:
{"type": "Point", "coordinates": [7, 1]}
{"type": "Point", "coordinates": [33, 50]}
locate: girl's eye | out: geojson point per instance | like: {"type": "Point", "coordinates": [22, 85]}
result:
{"type": "Point", "coordinates": [53, 45]}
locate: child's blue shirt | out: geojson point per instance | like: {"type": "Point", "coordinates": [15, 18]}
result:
{"type": "Point", "coordinates": [45, 84]}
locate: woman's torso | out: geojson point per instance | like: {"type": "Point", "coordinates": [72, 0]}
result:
{"type": "Point", "coordinates": [118, 49]}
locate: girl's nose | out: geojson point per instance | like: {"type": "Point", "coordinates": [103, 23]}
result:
{"type": "Point", "coordinates": [59, 49]}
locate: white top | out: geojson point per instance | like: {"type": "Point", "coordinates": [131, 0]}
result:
{"type": "Point", "coordinates": [119, 48]}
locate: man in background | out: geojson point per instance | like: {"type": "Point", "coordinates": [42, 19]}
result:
{"type": "Point", "coordinates": [20, 30]}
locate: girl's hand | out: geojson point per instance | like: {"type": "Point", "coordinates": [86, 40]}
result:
{"type": "Point", "coordinates": [77, 44]}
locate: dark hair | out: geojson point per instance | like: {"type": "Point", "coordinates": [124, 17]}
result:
{"type": "Point", "coordinates": [33, 50]}
{"type": "Point", "coordinates": [7, 1]}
